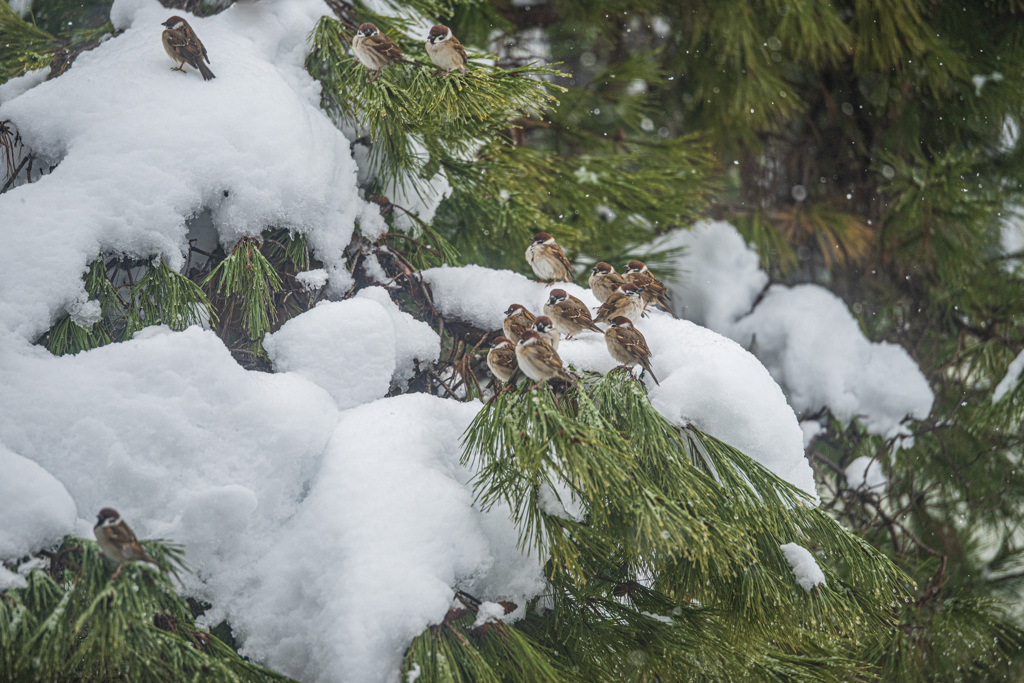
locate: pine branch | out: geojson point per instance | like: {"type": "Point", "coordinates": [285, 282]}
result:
{"type": "Point", "coordinates": [75, 623]}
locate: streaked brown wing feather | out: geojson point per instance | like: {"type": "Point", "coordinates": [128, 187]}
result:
{"type": "Point", "coordinates": [186, 48]}
{"type": "Point", "coordinates": [610, 308]}
{"type": "Point", "coordinates": [458, 48]}
{"type": "Point", "coordinates": [576, 311]}
{"type": "Point", "coordinates": [121, 534]}
{"type": "Point", "coordinates": [385, 46]}
{"type": "Point", "coordinates": [505, 358]}
{"type": "Point", "coordinates": [563, 260]}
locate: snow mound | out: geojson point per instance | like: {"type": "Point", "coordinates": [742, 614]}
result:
{"type": "Point", "coordinates": [142, 149]}
{"type": "Point", "coordinates": [415, 341]}
{"type": "Point", "coordinates": [373, 344]}
{"type": "Point", "coordinates": [718, 277]}
{"type": "Point", "coordinates": [805, 335]}
{"type": "Point", "coordinates": [146, 425]}
{"type": "Point", "coordinates": [481, 296]}
{"type": "Point", "coordinates": [805, 569]}
{"type": "Point", "coordinates": [386, 531]}
{"type": "Point", "coordinates": [813, 347]}
{"type": "Point", "coordinates": [36, 508]}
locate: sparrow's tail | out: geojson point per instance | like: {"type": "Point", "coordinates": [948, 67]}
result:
{"type": "Point", "coordinates": [647, 367]}
{"type": "Point", "coordinates": [410, 62]}
{"type": "Point", "coordinates": [205, 71]}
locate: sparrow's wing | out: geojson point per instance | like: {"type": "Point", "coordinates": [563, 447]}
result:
{"type": "Point", "coordinates": [576, 311]}
{"type": "Point", "coordinates": [518, 327]}
{"type": "Point", "coordinates": [121, 534]}
{"type": "Point", "coordinates": [548, 357]}
{"type": "Point", "coordinates": [505, 358]}
{"type": "Point", "coordinates": [385, 46]}
{"type": "Point", "coordinates": [458, 48]}
{"type": "Point", "coordinates": [609, 309]}
{"type": "Point", "coordinates": [615, 279]}
{"type": "Point", "coordinates": [186, 48]}
{"type": "Point", "coordinates": [563, 261]}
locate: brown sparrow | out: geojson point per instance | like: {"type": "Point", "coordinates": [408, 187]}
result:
{"type": "Point", "coordinates": [604, 281]}
{"type": "Point", "coordinates": [375, 50]}
{"type": "Point", "coordinates": [183, 46]}
{"type": "Point", "coordinates": [627, 301]}
{"type": "Point", "coordinates": [445, 50]}
{"type": "Point", "coordinates": [517, 320]}
{"type": "Point", "coordinates": [548, 260]}
{"type": "Point", "coordinates": [538, 360]}
{"type": "Point", "coordinates": [501, 359]}
{"type": "Point", "coordinates": [117, 541]}
{"type": "Point", "coordinates": [546, 329]}
{"type": "Point", "coordinates": [569, 314]}
{"type": "Point", "coordinates": [654, 291]}
{"type": "Point", "coordinates": [628, 346]}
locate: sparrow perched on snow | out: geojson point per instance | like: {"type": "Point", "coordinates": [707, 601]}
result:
{"type": "Point", "coordinates": [627, 345]}
{"type": "Point", "coordinates": [546, 329]}
{"type": "Point", "coordinates": [517, 321]}
{"type": "Point", "coordinates": [375, 50]}
{"type": "Point", "coordinates": [183, 46]}
{"type": "Point", "coordinates": [654, 291]}
{"type": "Point", "coordinates": [538, 360]}
{"type": "Point", "coordinates": [445, 50]}
{"type": "Point", "coordinates": [501, 359]}
{"type": "Point", "coordinates": [569, 314]}
{"type": "Point", "coordinates": [604, 281]}
{"type": "Point", "coordinates": [117, 541]}
{"type": "Point", "coordinates": [548, 260]}
{"type": "Point", "coordinates": [626, 301]}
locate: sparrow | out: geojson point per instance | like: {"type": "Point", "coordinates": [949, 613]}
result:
{"type": "Point", "coordinates": [569, 314]}
{"type": "Point", "coordinates": [501, 359]}
{"type": "Point", "coordinates": [627, 345]}
{"type": "Point", "coordinates": [375, 50]}
{"type": "Point", "coordinates": [517, 320]}
{"type": "Point", "coordinates": [654, 291]}
{"type": "Point", "coordinates": [546, 329]}
{"type": "Point", "coordinates": [538, 360]}
{"type": "Point", "coordinates": [604, 281]}
{"type": "Point", "coordinates": [627, 301]}
{"type": "Point", "coordinates": [548, 260]}
{"type": "Point", "coordinates": [183, 46]}
{"type": "Point", "coordinates": [117, 541]}
{"type": "Point", "coordinates": [445, 50]}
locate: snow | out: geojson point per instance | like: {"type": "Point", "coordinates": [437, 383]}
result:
{"type": "Point", "coordinates": [391, 500]}
{"type": "Point", "coordinates": [366, 342]}
{"type": "Point", "coordinates": [9, 579]}
{"type": "Point", "coordinates": [36, 508]}
{"type": "Point", "coordinates": [804, 335]}
{"type": "Point", "coordinates": [142, 149]}
{"type": "Point", "coordinates": [312, 280]}
{"type": "Point", "coordinates": [488, 612]}
{"type": "Point", "coordinates": [415, 341]}
{"type": "Point", "coordinates": [805, 569]}
{"type": "Point", "coordinates": [481, 295]}
{"type": "Point", "coordinates": [865, 474]}
{"type": "Point", "coordinates": [718, 277]}
{"type": "Point", "coordinates": [812, 345]}
{"type": "Point", "coordinates": [1009, 381]}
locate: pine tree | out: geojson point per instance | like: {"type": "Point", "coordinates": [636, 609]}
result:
{"type": "Point", "coordinates": [848, 141]}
